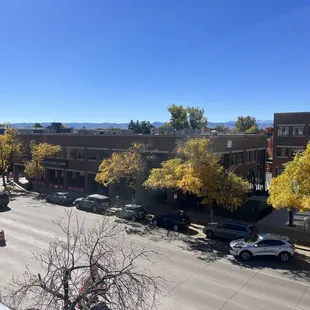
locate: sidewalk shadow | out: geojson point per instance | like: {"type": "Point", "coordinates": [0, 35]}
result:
{"type": "Point", "coordinates": [298, 268]}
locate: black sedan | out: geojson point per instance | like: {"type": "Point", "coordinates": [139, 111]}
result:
{"type": "Point", "coordinates": [61, 198]}
{"type": "Point", "coordinates": [176, 220]}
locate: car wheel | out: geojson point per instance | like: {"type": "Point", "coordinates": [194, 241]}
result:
{"type": "Point", "coordinates": [285, 257]}
{"type": "Point", "coordinates": [209, 234]}
{"type": "Point", "coordinates": [48, 199]}
{"type": "Point", "coordinates": [245, 255]}
{"type": "Point", "coordinates": [175, 227]}
{"type": "Point", "coordinates": [77, 205]}
{"type": "Point", "coordinates": [133, 218]}
{"type": "Point", "coordinates": [94, 209]}
{"type": "Point", "coordinates": [154, 223]}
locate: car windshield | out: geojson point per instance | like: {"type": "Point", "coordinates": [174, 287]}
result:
{"type": "Point", "coordinates": [252, 239]}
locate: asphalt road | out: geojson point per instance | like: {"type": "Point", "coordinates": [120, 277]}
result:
{"type": "Point", "coordinates": [199, 274]}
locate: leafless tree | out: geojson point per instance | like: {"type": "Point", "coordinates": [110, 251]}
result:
{"type": "Point", "coordinates": [83, 269]}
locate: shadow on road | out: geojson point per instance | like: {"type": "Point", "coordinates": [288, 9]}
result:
{"type": "Point", "coordinates": [208, 250]}
{"type": "Point", "coordinates": [23, 194]}
{"type": "Point", "coordinates": [5, 209]}
{"type": "Point", "coordinates": [146, 229]}
{"type": "Point", "coordinates": [298, 268]}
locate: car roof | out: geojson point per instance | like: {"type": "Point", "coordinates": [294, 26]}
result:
{"type": "Point", "coordinates": [237, 223]}
{"type": "Point", "coordinates": [97, 196]}
{"type": "Point", "coordinates": [131, 205]}
{"type": "Point", "coordinates": [62, 193]}
{"type": "Point", "coordinates": [267, 236]}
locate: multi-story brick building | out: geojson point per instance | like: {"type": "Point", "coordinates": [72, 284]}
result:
{"type": "Point", "coordinates": [77, 164]}
{"type": "Point", "coordinates": [291, 133]}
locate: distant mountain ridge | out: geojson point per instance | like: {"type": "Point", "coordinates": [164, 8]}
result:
{"type": "Point", "coordinates": [231, 124]}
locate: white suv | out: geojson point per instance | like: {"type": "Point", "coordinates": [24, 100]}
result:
{"type": "Point", "coordinates": [263, 245]}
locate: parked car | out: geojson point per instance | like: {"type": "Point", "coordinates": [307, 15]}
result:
{"type": "Point", "coordinates": [263, 245]}
{"type": "Point", "coordinates": [95, 203]}
{"type": "Point", "coordinates": [4, 199]}
{"type": "Point", "coordinates": [176, 220]}
{"type": "Point", "coordinates": [230, 230]}
{"type": "Point", "coordinates": [131, 211]}
{"type": "Point", "coordinates": [62, 198]}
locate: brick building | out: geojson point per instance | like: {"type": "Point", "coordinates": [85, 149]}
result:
{"type": "Point", "coordinates": [76, 166]}
{"type": "Point", "coordinates": [291, 133]}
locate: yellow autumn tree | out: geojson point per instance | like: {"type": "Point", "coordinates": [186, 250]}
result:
{"type": "Point", "coordinates": [292, 188]}
{"type": "Point", "coordinates": [34, 168]}
{"type": "Point", "coordinates": [9, 145]}
{"type": "Point", "coordinates": [197, 170]}
{"type": "Point", "coordinates": [131, 164]}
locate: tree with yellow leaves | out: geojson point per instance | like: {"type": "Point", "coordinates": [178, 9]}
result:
{"type": "Point", "coordinates": [197, 170]}
{"type": "Point", "coordinates": [9, 144]}
{"type": "Point", "coordinates": [291, 189]}
{"type": "Point", "coordinates": [34, 168]}
{"type": "Point", "coordinates": [131, 165]}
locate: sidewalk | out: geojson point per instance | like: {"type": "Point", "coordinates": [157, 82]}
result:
{"type": "Point", "coordinates": [276, 222]}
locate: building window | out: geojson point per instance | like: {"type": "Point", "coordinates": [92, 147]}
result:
{"type": "Point", "coordinates": [239, 158]}
{"type": "Point", "coordinates": [298, 130]}
{"type": "Point", "coordinates": [71, 153]}
{"type": "Point", "coordinates": [80, 154]}
{"type": "Point", "coordinates": [282, 151]}
{"type": "Point", "coordinates": [103, 154]}
{"type": "Point", "coordinates": [283, 130]}
{"type": "Point", "coordinates": [91, 154]}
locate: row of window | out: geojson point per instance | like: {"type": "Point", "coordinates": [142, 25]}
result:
{"type": "Point", "coordinates": [237, 158]}
{"type": "Point", "coordinates": [96, 155]}
{"type": "Point", "coordinates": [286, 151]}
{"type": "Point", "coordinates": [82, 154]}
{"type": "Point", "coordinates": [295, 131]}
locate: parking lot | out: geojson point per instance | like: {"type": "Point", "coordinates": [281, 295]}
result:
{"type": "Point", "coordinates": [199, 273]}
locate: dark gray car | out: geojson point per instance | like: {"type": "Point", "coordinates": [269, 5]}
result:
{"type": "Point", "coordinates": [62, 198]}
{"type": "Point", "coordinates": [131, 211]}
{"type": "Point", "coordinates": [95, 203]}
{"type": "Point", "coordinates": [230, 230]}
{"type": "Point", "coordinates": [4, 199]}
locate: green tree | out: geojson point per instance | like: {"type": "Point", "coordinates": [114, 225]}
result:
{"type": "Point", "coordinates": [37, 125]}
{"type": "Point", "coordinates": [196, 118]}
{"type": "Point", "coordinates": [221, 128]}
{"type": "Point", "coordinates": [132, 125]}
{"type": "Point", "coordinates": [253, 129]}
{"type": "Point", "coordinates": [245, 123]}
{"type": "Point", "coordinates": [178, 119]}
{"type": "Point", "coordinates": [197, 170]}
{"type": "Point", "coordinates": [34, 168]}
{"type": "Point", "coordinates": [10, 145]}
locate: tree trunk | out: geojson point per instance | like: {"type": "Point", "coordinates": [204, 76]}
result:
{"type": "Point", "coordinates": [66, 289]}
{"type": "Point", "coordinates": [290, 217]}
{"type": "Point", "coordinates": [211, 212]}
{"type": "Point", "coordinates": [3, 173]}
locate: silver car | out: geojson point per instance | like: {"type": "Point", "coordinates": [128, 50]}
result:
{"type": "Point", "coordinates": [263, 245]}
{"type": "Point", "coordinates": [230, 230]}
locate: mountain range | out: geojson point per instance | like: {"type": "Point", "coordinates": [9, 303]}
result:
{"type": "Point", "coordinates": [230, 124]}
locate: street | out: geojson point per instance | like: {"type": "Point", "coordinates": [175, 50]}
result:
{"type": "Point", "coordinates": [199, 273]}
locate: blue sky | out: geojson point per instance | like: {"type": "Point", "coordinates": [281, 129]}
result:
{"type": "Point", "coordinates": [116, 60]}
